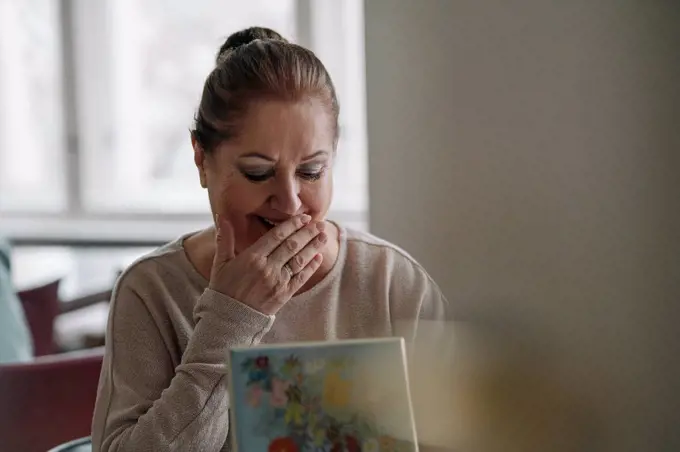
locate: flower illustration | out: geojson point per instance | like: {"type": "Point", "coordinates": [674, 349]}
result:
{"type": "Point", "coordinates": [370, 445]}
{"type": "Point", "coordinates": [336, 391]}
{"type": "Point", "coordinates": [262, 362]}
{"type": "Point", "coordinates": [258, 371]}
{"type": "Point", "coordinates": [294, 413]}
{"type": "Point", "coordinates": [352, 444]}
{"type": "Point", "coordinates": [387, 444]}
{"type": "Point", "coordinates": [254, 395]}
{"type": "Point", "coordinates": [283, 444]}
{"type": "Point", "coordinates": [292, 361]}
{"type": "Point", "coordinates": [279, 398]}
{"type": "Point", "coordinates": [346, 444]}
{"type": "Point", "coordinates": [314, 366]}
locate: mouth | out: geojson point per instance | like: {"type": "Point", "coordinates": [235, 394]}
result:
{"type": "Point", "coordinates": [267, 223]}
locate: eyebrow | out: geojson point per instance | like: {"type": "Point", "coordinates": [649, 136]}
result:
{"type": "Point", "coordinates": [269, 159]}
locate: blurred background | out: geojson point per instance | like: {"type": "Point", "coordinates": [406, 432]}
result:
{"type": "Point", "coordinates": [97, 101]}
{"type": "Point", "coordinates": [527, 153]}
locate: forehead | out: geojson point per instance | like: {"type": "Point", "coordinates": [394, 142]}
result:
{"type": "Point", "coordinates": [290, 128]}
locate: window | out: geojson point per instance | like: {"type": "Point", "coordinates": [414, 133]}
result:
{"type": "Point", "coordinates": [97, 100]}
{"type": "Point", "coordinates": [32, 147]}
{"type": "Point", "coordinates": [143, 75]}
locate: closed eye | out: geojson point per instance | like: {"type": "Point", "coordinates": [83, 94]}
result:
{"type": "Point", "coordinates": [257, 176]}
{"type": "Point", "coordinates": [312, 174]}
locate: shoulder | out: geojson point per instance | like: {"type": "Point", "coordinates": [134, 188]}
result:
{"type": "Point", "coordinates": [409, 285]}
{"type": "Point", "coordinates": [153, 268]}
{"type": "Point", "coordinates": [375, 250]}
{"type": "Point", "coordinates": [155, 281]}
{"type": "Point", "coordinates": [152, 296]}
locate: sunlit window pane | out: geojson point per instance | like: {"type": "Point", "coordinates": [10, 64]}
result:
{"type": "Point", "coordinates": [32, 145]}
{"type": "Point", "coordinates": [160, 53]}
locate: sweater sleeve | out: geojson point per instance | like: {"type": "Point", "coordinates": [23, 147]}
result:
{"type": "Point", "coordinates": [144, 403]}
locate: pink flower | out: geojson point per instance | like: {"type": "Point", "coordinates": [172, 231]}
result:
{"type": "Point", "coordinates": [261, 362]}
{"type": "Point", "coordinates": [254, 395]}
{"type": "Point", "coordinates": [279, 398]}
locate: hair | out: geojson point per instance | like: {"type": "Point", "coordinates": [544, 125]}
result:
{"type": "Point", "coordinates": [258, 64]}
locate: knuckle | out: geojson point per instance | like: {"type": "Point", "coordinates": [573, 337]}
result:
{"type": "Point", "coordinates": [300, 278]}
{"type": "Point", "coordinates": [299, 261]}
{"type": "Point", "coordinates": [257, 262]}
{"type": "Point", "coordinates": [279, 234]}
{"type": "Point", "coordinates": [320, 241]}
{"type": "Point", "coordinates": [280, 286]}
{"type": "Point", "coordinates": [272, 283]}
{"type": "Point", "coordinates": [292, 244]}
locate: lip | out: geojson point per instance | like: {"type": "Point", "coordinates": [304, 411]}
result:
{"type": "Point", "coordinates": [274, 218]}
{"type": "Point", "coordinates": [269, 222]}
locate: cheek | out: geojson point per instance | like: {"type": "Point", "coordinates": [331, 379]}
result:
{"type": "Point", "coordinates": [235, 198]}
{"type": "Point", "coordinates": [317, 198]}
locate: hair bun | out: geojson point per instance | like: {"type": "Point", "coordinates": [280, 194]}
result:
{"type": "Point", "coordinates": [246, 36]}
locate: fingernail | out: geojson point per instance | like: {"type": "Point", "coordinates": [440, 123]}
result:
{"type": "Point", "coordinates": [320, 226]}
{"type": "Point", "coordinates": [305, 218]}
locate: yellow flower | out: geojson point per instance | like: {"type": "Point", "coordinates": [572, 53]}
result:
{"type": "Point", "coordinates": [370, 445]}
{"type": "Point", "coordinates": [387, 444]}
{"type": "Point", "coordinates": [294, 414]}
{"type": "Point", "coordinates": [336, 391]}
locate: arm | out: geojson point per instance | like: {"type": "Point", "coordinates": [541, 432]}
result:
{"type": "Point", "coordinates": [144, 402]}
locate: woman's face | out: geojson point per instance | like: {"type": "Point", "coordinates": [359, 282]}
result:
{"type": "Point", "coordinates": [278, 167]}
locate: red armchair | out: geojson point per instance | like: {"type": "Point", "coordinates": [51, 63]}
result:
{"type": "Point", "coordinates": [48, 401]}
{"type": "Point", "coordinates": [41, 306]}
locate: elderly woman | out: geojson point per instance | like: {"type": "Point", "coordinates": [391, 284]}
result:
{"type": "Point", "coordinates": [271, 269]}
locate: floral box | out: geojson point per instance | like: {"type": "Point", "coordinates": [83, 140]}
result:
{"type": "Point", "coordinates": [340, 396]}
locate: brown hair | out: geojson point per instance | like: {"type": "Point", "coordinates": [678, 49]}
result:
{"type": "Point", "coordinates": [256, 64]}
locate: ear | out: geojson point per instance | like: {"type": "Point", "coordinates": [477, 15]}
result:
{"type": "Point", "coordinates": [199, 160]}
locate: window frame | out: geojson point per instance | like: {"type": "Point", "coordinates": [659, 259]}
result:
{"type": "Point", "coordinates": [78, 226]}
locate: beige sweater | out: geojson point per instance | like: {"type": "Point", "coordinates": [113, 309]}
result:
{"type": "Point", "coordinates": [163, 382]}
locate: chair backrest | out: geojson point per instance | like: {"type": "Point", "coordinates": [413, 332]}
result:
{"type": "Point", "coordinates": [48, 401]}
{"type": "Point", "coordinates": [41, 306]}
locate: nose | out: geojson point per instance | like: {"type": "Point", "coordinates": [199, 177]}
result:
{"type": "Point", "coordinates": [285, 196]}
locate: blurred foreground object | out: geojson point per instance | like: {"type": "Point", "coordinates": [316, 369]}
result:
{"type": "Point", "coordinates": [482, 388]}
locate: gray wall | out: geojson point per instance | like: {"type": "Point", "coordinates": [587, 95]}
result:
{"type": "Point", "coordinates": [528, 154]}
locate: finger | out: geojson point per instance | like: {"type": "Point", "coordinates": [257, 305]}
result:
{"type": "Point", "coordinates": [224, 240]}
{"type": "Point", "coordinates": [306, 254]}
{"type": "Point", "coordinates": [301, 278]}
{"type": "Point", "coordinates": [295, 243]}
{"type": "Point", "coordinates": [272, 239]}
